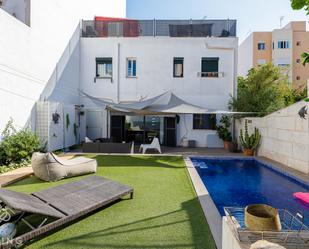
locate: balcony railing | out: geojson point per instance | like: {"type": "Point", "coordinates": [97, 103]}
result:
{"type": "Point", "coordinates": [171, 28]}
{"type": "Point", "coordinates": [210, 74]}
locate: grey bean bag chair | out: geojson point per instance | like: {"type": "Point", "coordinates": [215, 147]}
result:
{"type": "Point", "coordinates": [49, 167]}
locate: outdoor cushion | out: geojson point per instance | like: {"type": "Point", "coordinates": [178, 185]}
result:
{"type": "Point", "coordinates": [302, 196]}
{"type": "Point", "coordinates": [49, 167]}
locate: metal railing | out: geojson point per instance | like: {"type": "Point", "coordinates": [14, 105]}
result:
{"type": "Point", "coordinates": [171, 28]}
{"type": "Point", "coordinates": [210, 74]}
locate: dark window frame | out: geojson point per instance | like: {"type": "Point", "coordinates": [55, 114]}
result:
{"type": "Point", "coordinates": [205, 73]}
{"type": "Point", "coordinates": [179, 59]}
{"type": "Point", "coordinates": [204, 121]}
{"type": "Point", "coordinates": [284, 44]}
{"type": "Point", "coordinates": [261, 46]}
{"type": "Point", "coordinates": [103, 60]}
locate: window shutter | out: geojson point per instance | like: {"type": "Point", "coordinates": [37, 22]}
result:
{"type": "Point", "coordinates": [134, 68]}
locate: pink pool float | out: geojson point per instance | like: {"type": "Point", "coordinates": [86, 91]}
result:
{"type": "Point", "coordinates": [302, 196]}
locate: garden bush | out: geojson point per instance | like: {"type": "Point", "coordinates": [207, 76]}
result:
{"type": "Point", "coordinates": [17, 147]}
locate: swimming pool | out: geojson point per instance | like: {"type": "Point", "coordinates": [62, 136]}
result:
{"type": "Point", "coordinates": [238, 182]}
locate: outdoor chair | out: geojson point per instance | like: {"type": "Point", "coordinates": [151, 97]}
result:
{"type": "Point", "coordinates": [57, 206]}
{"type": "Point", "coordinates": [155, 144]}
{"type": "Point", "coordinates": [49, 167]}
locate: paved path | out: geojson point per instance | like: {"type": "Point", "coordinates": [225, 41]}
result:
{"type": "Point", "coordinates": [14, 175]}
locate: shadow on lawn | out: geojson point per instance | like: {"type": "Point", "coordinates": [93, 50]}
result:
{"type": "Point", "coordinates": [174, 162]}
{"type": "Point", "coordinates": [200, 236]}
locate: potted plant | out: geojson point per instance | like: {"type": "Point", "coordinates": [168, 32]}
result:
{"type": "Point", "coordinates": [249, 142]}
{"type": "Point", "coordinates": [223, 131]}
{"type": "Point", "coordinates": [233, 146]}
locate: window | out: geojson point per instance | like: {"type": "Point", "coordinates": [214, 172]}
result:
{"type": "Point", "coordinates": [261, 46]}
{"type": "Point", "coordinates": [283, 65]}
{"type": "Point", "coordinates": [104, 67]}
{"type": "Point", "coordinates": [210, 67]}
{"type": "Point", "coordinates": [273, 45]}
{"type": "Point", "coordinates": [131, 67]}
{"type": "Point", "coordinates": [298, 43]}
{"type": "Point", "coordinates": [297, 77]}
{"type": "Point", "coordinates": [261, 61]}
{"type": "Point", "coordinates": [204, 121]}
{"type": "Point", "coordinates": [297, 60]}
{"type": "Point", "coordinates": [178, 67]}
{"type": "Point", "coordinates": [283, 44]}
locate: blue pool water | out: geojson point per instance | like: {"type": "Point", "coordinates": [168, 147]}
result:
{"type": "Point", "coordinates": [240, 182]}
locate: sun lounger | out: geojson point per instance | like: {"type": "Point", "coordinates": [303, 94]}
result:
{"type": "Point", "coordinates": [65, 203]}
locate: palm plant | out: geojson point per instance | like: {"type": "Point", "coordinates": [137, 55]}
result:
{"type": "Point", "coordinates": [305, 58]}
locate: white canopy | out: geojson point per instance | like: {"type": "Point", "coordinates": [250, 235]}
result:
{"type": "Point", "coordinates": [163, 104]}
{"type": "Point", "coordinates": [166, 103]}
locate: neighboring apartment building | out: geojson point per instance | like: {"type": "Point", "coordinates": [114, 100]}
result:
{"type": "Point", "coordinates": [282, 47]}
{"type": "Point", "coordinates": [34, 35]}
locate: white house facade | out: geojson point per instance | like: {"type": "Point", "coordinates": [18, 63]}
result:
{"type": "Point", "coordinates": [200, 70]}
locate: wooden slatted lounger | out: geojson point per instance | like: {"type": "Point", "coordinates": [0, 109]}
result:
{"type": "Point", "coordinates": [66, 203]}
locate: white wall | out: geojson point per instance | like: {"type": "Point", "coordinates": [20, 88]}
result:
{"type": "Point", "coordinates": [56, 135]}
{"type": "Point", "coordinates": [245, 56]}
{"type": "Point", "coordinates": [155, 72]}
{"type": "Point", "coordinates": [285, 137]}
{"type": "Point", "coordinates": [283, 56]}
{"type": "Point", "coordinates": [204, 138]}
{"type": "Point", "coordinates": [29, 54]}
{"type": "Point", "coordinates": [19, 9]}
{"type": "Point", "coordinates": [229, 241]}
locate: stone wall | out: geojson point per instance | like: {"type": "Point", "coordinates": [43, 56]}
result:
{"type": "Point", "coordinates": [285, 136]}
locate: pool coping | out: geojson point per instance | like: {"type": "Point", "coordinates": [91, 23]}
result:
{"type": "Point", "coordinates": [209, 208]}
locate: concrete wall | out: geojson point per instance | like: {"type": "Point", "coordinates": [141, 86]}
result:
{"type": "Point", "coordinates": [300, 37]}
{"type": "Point", "coordinates": [282, 56]}
{"type": "Point", "coordinates": [265, 55]}
{"type": "Point", "coordinates": [19, 9]}
{"type": "Point", "coordinates": [155, 74]}
{"type": "Point", "coordinates": [56, 135]}
{"type": "Point", "coordinates": [285, 136]}
{"type": "Point", "coordinates": [29, 55]}
{"type": "Point", "coordinates": [245, 56]}
{"type": "Point", "coordinates": [229, 241]}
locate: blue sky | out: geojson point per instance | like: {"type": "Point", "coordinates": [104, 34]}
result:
{"type": "Point", "coordinates": [252, 15]}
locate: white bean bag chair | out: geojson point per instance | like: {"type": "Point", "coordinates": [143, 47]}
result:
{"type": "Point", "coordinates": [49, 167]}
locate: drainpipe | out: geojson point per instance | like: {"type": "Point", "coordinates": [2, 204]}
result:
{"type": "Point", "coordinates": [234, 90]}
{"type": "Point", "coordinates": [118, 72]}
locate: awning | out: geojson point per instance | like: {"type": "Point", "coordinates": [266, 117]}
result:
{"type": "Point", "coordinates": [166, 103]}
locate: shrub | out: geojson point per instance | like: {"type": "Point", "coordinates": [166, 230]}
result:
{"type": "Point", "coordinates": [223, 129]}
{"type": "Point", "coordinates": [17, 147]}
{"type": "Point", "coordinates": [265, 89]}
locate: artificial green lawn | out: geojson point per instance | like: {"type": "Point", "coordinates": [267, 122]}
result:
{"type": "Point", "coordinates": [164, 213]}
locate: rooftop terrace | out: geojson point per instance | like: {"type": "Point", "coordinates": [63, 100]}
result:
{"type": "Point", "coordinates": [113, 27]}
